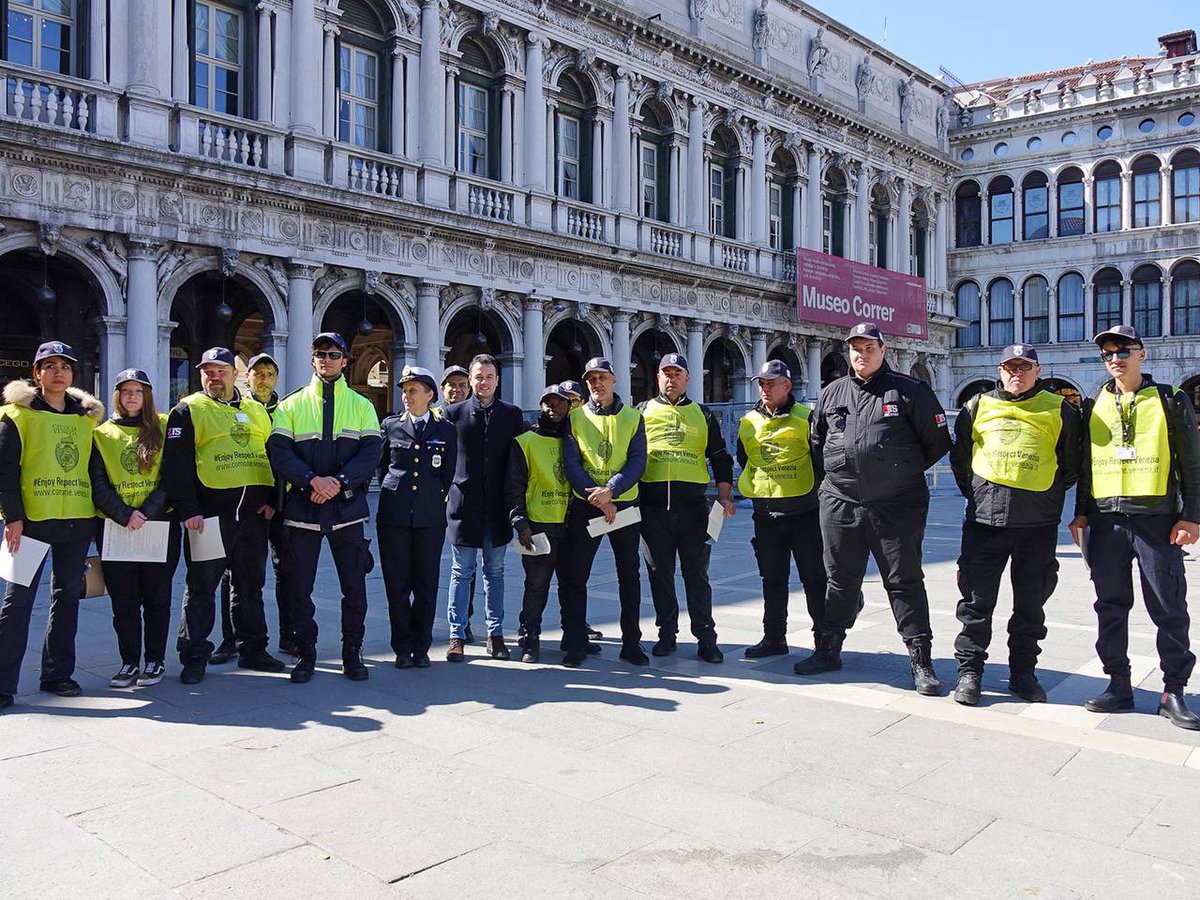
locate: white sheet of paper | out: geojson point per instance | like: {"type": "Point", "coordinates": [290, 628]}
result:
{"type": "Point", "coordinates": [207, 544]}
{"type": "Point", "coordinates": [716, 519]}
{"type": "Point", "coordinates": [541, 546]}
{"type": "Point", "coordinates": [19, 568]}
{"type": "Point", "coordinates": [630, 515]}
{"type": "Point", "coordinates": [147, 544]}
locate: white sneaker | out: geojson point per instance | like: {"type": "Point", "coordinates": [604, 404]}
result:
{"type": "Point", "coordinates": [152, 674]}
{"type": "Point", "coordinates": [127, 677]}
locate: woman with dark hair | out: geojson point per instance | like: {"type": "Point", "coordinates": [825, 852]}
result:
{"type": "Point", "coordinates": [125, 488]}
{"type": "Point", "coordinates": [45, 495]}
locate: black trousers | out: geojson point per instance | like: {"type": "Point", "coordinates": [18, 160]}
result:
{"type": "Point", "coordinates": [141, 602]}
{"type": "Point", "coordinates": [986, 550]}
{"type": "Point", "coordinates": [351, 557]}
{"type": "Point", "coordinates": [1114, 542]}
{"type": "Point", "coordinates": [892, 533]}
{"type": "Point", "coordinates": [277, 540]}
{"type": "Point", "coordinates": [67, 559]}
{"type": "Point", "coordinates": [777, 541]}
{"type": "Point", "coordinates": [411, 559]}
{"type": "Point", "coordinates": [538, 572]}
{"type": "Point", "coordinates": [245, 557]}
{"type": "Point", "coordinates": [624, 543]}
{"type": "Point", "coordinates": [682, 532]}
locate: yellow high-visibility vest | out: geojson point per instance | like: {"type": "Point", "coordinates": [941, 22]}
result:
{"type": "Point", "coordinates": [676, 438]}
{"type": "Point", "coordinates": [778, 456]}
{"type": "Point", "coordinates": [1014, 442]}
{"type": "Point", "coordinates": [231, 443]}
{"type": "Point", "coordinates": [603, 443]}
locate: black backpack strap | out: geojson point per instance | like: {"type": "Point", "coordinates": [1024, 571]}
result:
{"type": "Point", "coordinates": [1166, 393]}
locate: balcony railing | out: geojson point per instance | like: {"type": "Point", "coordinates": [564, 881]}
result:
{"type": "Point", "coordinates": [728, 255]}
{"type": "Point", "coordinates": [487, 199]}
{"type": "Point", "coordinates": [373, 173]}
{"type": "Point", "coordinates": [664, 240]}
{"type": "Point", "coordinates": [582, 220]}
{"type": "Point", "coordinates": [59, 101]}
{"type": "Point", "coordinates": [785, 266]}
{"type": "Point", "coordinates": [228, 139]}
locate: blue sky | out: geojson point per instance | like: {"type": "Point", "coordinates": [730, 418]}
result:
{"type": "Point", "coordinates": [977, 41]}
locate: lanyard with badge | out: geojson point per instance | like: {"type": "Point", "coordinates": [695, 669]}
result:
{"type": "Point", "coordinates": [1127, 414]}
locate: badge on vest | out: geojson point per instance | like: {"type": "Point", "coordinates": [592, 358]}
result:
{"type": "Point", "coordinates": [1126, 453]}
{"type": "Point", "coordinates": [437, 460]}
{"type": "Point", "coordinates": [241, 417]}
{"type": "Point", "coordinates": [890, 410]}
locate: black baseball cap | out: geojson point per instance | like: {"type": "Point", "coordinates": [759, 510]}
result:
{"type": "Point", "coordinates": [866, 330]}
{"type": "Point", "coordinates": [573, 389]}
{"type": "Point", "coordinates": [416, 373]}
{"type": "Point", "coordinates": [54, 348]}
{"type": "Point", "coordinates": [331, 337]}
{"type": "Point", "coordinates": [1018, 351]}
{"type": "Point", "coordinates": [454, 370]}
{"type": "Point", "coordinates": [218, 356]}
{"type": "Point", "coordinates": [772, 369]}
{"type": "Point", "coordinates": [678, 360]}
{"type": "Point", "coordinates": [138, 375]}
{"type": "Point", "coordinates": [1119, 333]}
{"type": "Point", "coordinates": [261, 357]}
{"type": "Point", "coordinates": [554, 390]}
{"type": "Point", "coordinates": [598, 364]}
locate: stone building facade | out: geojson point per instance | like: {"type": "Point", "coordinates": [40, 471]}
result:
{"type": "Point", "coordinates": [542, 179]}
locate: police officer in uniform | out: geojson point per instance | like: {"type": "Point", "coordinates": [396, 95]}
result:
{"type": "Point", "coordinates": [604, 454]}
{"type": "Point", "coordinates": [325, 442]}
{"type": "Point", "coordinates": [877, 432]}
{"type": "Point", "coordinates": [416, 469]}
{"type": "Point", "coordinates": [46, 436]}
{"type": "Point", "coordinates": [539, 494]}
{"type": "Point", "coordinates": [215, 466]}
{"type": "Point", "coordinates": [780, 476]}
{"type": "Point", "coordinates": [682, 440]}
{"type": "Point", "coordinates": [1139, 498]}
{"type": "Point", "coordinates": [1016, 452]}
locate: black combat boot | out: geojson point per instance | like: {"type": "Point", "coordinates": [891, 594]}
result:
{"type": "Point", "coordinates": [826, 655]}
{"type": "Point", "coordinates": [968, 689]}
{"type": "Point", "coordinates": [1118, 696]}
{"type": "Point", "coordinates": [1026, 686]}
{"type": "Point", "coordinates": [306, 665]}
{"type": "Point", "coordinates": [925, 680]}
{"type": "Point", "coordinates": [353, 666]}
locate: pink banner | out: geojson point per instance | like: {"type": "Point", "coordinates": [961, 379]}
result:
{"type": "Point", "coordinates": [835, 291]}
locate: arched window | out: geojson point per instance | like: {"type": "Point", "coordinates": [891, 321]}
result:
{"type": "Point", "coordinates": [1107, 196]}
{"type": "Point", "coordinates": [1000, 210]}
{"type": "Point", "coordinates": [1070, 307]}
{"type": "Point", "coordinates": [966, 306]}
{"type": "Point", "coordinates": [1070, 202]}
{"type": "Point", "coordinates": [881, 210]}
{"type": "Point", "coordinates": [722, 183]}
{"type": "Point", "coordinates": [654, 160]}
{"type": "Point", "coordinates": [573, 139]}
{"type": "Point", "coordinates": [1185, 298]}
{"type": "Point", "coordinates": [361, 78]}
{"type": "Point", "coordinates": [1106, 290]}
{"type": "Point", "coordinates": [45, 35]}
{"type": "Point", "coordinates": [1147, 190]}
{"type": "Point", "coordinates": [1147, 301]}
{"type": "Point", "coordinates": [833, 213]}
{"type": "Point", "coordinates": [781, 201]}
{"type": "Point", "coordinates": [1037, 310]}
{"type": "Point", "coordinates": [1185, 187]}
{"type": "Point", "coordinates": [1035, 199]}
{"type": "Point", "coordinates": [1001, 311]}
{"type": "Point", "coordinates": [478, 115]}
{"type": "Point", "coordinates": [966, 215]}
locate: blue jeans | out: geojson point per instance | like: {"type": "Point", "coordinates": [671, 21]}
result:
{"type": "Point", "coordinates": [462, 567]}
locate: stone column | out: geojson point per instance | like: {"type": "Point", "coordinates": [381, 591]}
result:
{"type": "Point", "coordinates": [429, 338]}
{"type": "Point", "coordinates": [412, 104]}
{"type": "Point", "coordinates": [399, 130]}
{"type": "Point", "coordinates": [1018, 213]}
{"type": "Point", "coordinates": [620, 143]}
{"type": "Point", "coordinates": [264, 93]}
{"type": "Point", "coordinates": [112, 355]}
{"type": "Point", "coordinates": [904, 229]}
{"type": "Point", "coordinates": [180, 64]}
{"type": "Point", "coordinates": [862, 216]}
{"type": "Point", "coordinates": [533, 370]}
{"type": "Point", "coordinates": [306, 47]}
{"type": "Point", "coordinates": [697, 181]}
{"type": "Point", "coordinates": [535, 113]}
{"type": "Point", "coordinates": [1127, 302]}
{"type": "Point", "coordinates": [141, 345]}
{"type": "Point", "coordinates": [758, 350]}
{"type": "Point", "coordinates": [148, 30]}
{"type": "Point", "coordinates": [551, 168]}
{"type": "Point", "coordinates": [1165, 305]}
{"type": "Point", "coordinates": [797, 214]}
{"type": "Point", "coordinates": [1126, 201]}
{"type": "Point", "coordinates": [329, 82]}
{"type": "Point", "coordinates": [812, 389]}
{"type": "Point", "coordinates": [758, 185]}
{"type": "Point", "coordinates": [943, 373]}
{"type": "Point", "coordinates": [941, 250]}
{"type": "Point", "coordinates": [506, 135]}
{"type": "Point", "coordinates": [399, 360]}
{"type": "Point", "coordinates": [431, 138]}
{"type": "Point", "coordinates": [300, 323]}
{"type": "Point", "coordinates": [675, 180]}
{"type": "Point", "coordinates": [1166, 216]}
{"type": "Point", "coordinates": [449, 121]}
{"type": "Point", "coordinates": [1089, 311]}
{"type": "Point", "coordinates": [695, 358]}
{"type": "Point", "coordinates": [597, 161]}
{"type": "Point", "coordinates": [161, 373]}
{"type": "Point", "coordinates": [622, 352]}
{"type": "Point", "coordinates": [1052, 209]}
{"type": "Point", "coordinates": [985, 220]}
{"type": "Point", "coordinates": [1053, 313]}
{"type": "Point", "coordinates": [1089, 205]}
{"type": "Point", "coordinates": [812, 209]}
{"type": "Point", "coordinates": [98, 41]}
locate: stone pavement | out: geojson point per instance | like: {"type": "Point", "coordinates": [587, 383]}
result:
{"type": "Point", "coordinates": [498, 779]}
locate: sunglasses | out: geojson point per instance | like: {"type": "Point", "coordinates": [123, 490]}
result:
{"type": "Point", "coordinates": [1018, 369]}
{"type": "Point", "coordinates": [1110, 355]}
{"type": "Point", "coordinates": [328, 354]}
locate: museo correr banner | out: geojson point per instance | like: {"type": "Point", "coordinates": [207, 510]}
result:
{"type": "Point", "coordinates": [835, 291]}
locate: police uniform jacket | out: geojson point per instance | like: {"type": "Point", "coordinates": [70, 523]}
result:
{"type": "Point", "coordinates": [485, 435]}
{"type": "Point", "coordinates": [877, 437]}
{"type": "Point", "coordinates": [1002, 506]}
{"type": "Point", "coordinates": [1182, 496]}
{"type": "Point", "coordinates": [415, 475]}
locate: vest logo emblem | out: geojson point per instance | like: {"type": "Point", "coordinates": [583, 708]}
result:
{"type": "Point", "coordinates": [604, 449]}
{"type": "Point", "coordinates": [67, 454]}
{"type": "Point", "coordinates": [240, 434]}
{"type": "Point", "coordinates": [129, 460]}
{"type": "Point", "coordinates": [675, 434]}
{"type": "Point", "coordinates": [560, 473]}
{"type": "Point", "coordinates": [769, 453]}
{"type": "Point", "coordinates": [1009, 430]}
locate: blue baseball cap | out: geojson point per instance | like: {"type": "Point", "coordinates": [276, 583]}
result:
{"type": "Point", "coordinates": [573, 389]}
{"type": "Point", "coordinates": [138, 375]}
{"type": "Point", "coordinates": [331, 337]}
{"type": "Point", "coordinates": [1119, 333]}
{"type": "Point", "coordinates": [866, 330]}
{"type": "Point", "coordinates": [678, 360]}
{"type": "Point", "coordinates": [216, 356]}
{"type": "Point", "coordinates": [772, 369]}
{"type": "Point", "coordinates": [54, 348]}
{"type": "Point", "coordinates": [598, 364]}
{"type": "Point", "coordinates": [1018, 351]}
{"type": "Point", "coordinates": [261, 358]}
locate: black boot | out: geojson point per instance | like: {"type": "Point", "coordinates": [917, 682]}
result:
{"type": "Point", "coordinates": [1026, 686]}
{"type": "Point", "coordinates": [1117, 697]}
{"type": "Point", "coordinates": [826, 655]}
{"type": "Point", "coordinates": [925, 680]}
{"type": "Point", "coordinates": [968, 689]}
{"type": "Point", "coordinates": [1171, 706]}
{"type": "Point", "coordinates": [353, 666]}
{"type": "Point", "coordinates": [531, 649]}
{"type": "Point", "coordinates": [306, 665]}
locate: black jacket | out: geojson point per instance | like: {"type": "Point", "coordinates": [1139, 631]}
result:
{"type": "Point", "coordinates": [12, 507]}
{"type": "Point", "coordinates": [1008, 507]}
{"type": "Point", "coordinates": [516, 482]}
{"type": "Point", "coordinates": [109, 502]}
{"type": "Point", "coordinates": [877, 437]}
{"type": "Point", "coordinates": [184, 489]}
{"type": "Point", "coordinates": [663, 493]}
{"type": "Point", "coordinates": [1182, 498]}
{"type": "Point", "coordinates": [476, 506]}
{"type": "Point", "coordinates": [785, 506]}
{"type": "Point", "coordinates": [415, 475]}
